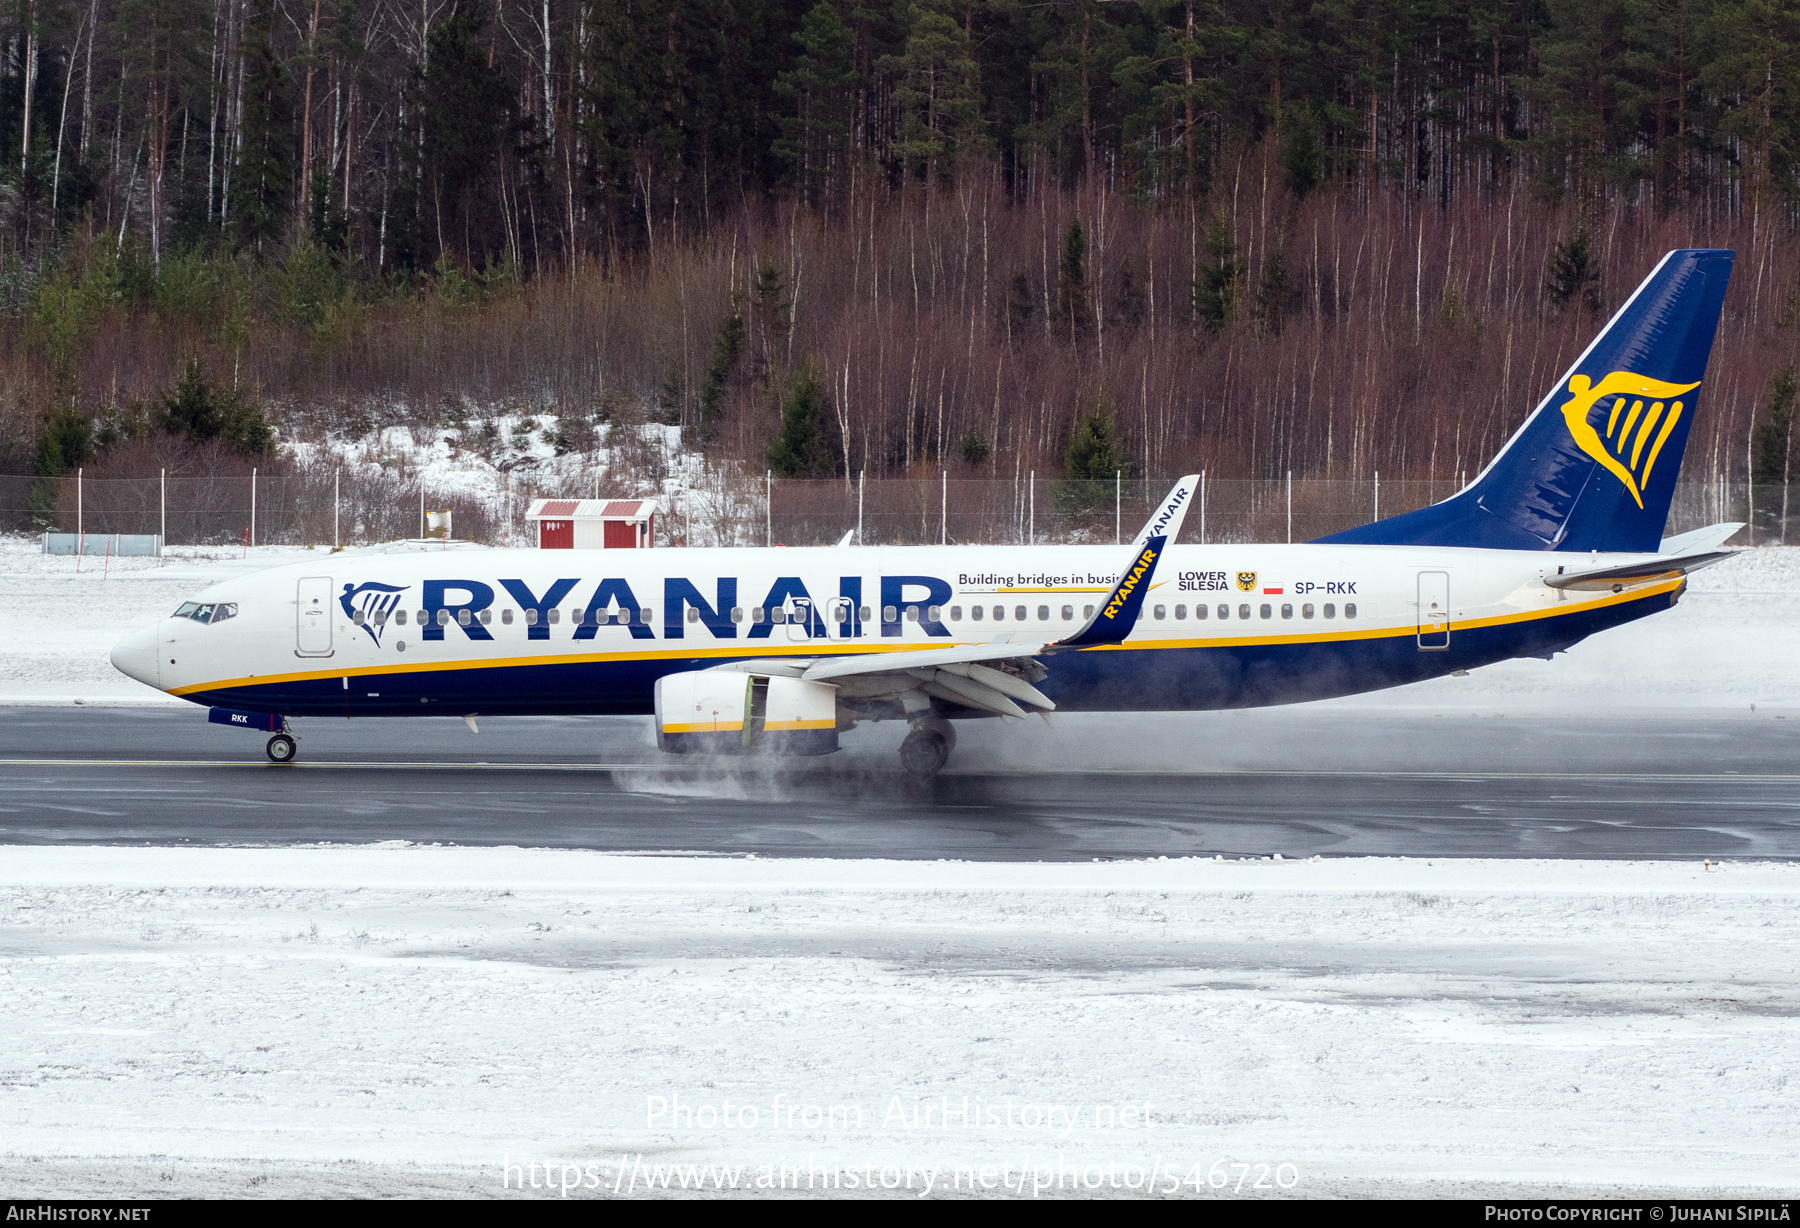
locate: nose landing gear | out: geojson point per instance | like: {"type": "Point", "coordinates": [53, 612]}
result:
{"type": "Point", "coordinates": [927, 747]}
{"type": "Point", "coordinates": [283, 746]}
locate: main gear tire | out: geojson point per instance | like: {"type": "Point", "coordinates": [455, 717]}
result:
{"type": "Point", "coordinates": [282, 748]}
{"type": "Point", "coordinates": [927, 747]}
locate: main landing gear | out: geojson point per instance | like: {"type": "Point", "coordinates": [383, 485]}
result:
{"type": "Point", "coordinates": [927, 746]}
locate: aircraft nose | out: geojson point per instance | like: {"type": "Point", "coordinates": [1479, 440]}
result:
{"type": "Point", "coordinates": [135, 656]}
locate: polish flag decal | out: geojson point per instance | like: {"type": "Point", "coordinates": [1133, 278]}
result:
{"type": "Point", "coordinates": [1271, 592]}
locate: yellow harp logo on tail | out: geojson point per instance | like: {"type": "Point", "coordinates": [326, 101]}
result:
{"type": "Point", "coordinates": [1643, 414]}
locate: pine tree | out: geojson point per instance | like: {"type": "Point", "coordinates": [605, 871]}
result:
{"type": "Point", "coordinates": [800, 448]}
{"type": "Point", "coordinates": [938, 95]}
{"type": "Point", "coordinates": [814, 139]}
{"type": "Point", "coordinates": [1774, 446]}
{"type": "Point", "coordinates": [262, 180]}
{"type": "Point", "coordinates": [1573, 277]}
{"type": "Point", "coordinates": [1221, 279]}
{"type": "Point", "coordinates": [1071, 280]}
{"type": "Point", "coordinates": [728, 346]}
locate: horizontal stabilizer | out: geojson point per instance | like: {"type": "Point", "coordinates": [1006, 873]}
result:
{"type": "Point", "coordinates": [1710, 538]}
{"type": "Point", "coordinates": [1649, 571]}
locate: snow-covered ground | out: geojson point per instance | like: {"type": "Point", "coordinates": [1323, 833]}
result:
{"type": "Point", "coordinates": [1733, 641]}
{"type": "Point", "coordinates": [387, 1020]}
{"type": "Point", "coordinates": [405, 1019]}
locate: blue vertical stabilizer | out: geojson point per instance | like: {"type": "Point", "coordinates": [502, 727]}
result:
{"type": "Point", "coordinates": [1594, 467]}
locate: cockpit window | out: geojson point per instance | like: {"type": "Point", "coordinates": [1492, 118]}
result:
{"type": "Point", "coordinates": [207, 611]}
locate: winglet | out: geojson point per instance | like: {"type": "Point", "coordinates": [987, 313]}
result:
{"type": "Point", "coordinates": [1166, 520]}
{"type": "Point", "coordinates": [1118, 614]}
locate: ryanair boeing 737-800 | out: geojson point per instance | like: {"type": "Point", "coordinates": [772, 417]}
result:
{"type": "Point", "coordinates": [782, 649]}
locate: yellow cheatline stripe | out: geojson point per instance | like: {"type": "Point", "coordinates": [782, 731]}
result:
{"type": "Point", "coordinates": [779, 726]}
{"type": "Point", "coordinates": [706, 727]}
{"type": "Point", "coordinates": [835, 648]}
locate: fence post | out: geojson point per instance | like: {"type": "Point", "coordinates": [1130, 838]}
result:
{"type": "Point", "coordinates": [80, 528]}
{"type": "Point", "coordinates": [1031, 514]}
{"type": "Point", "coordinates": [421, 507]}
{"type": "Point", "coordinates": [1378, 494]}
{"type": "Point", "coordinates": [768, 507]}
{"type": "Point", "coordinates": [162, 531]}
{"type": "Point", "coordinates": [1118, 501]}
{"type": "Point", "coordinates": [336, 485]}
{"type": "Point", "coordinates": [1290, 507]}
{"type": "Point", "coordinates": [250, 540]}
{"type": "Point", "coordinates": [944, 509]}
{"type": "Point", "coordinates": [1203, 507]}
{"type": "Point", "coordinates": [859, 506]}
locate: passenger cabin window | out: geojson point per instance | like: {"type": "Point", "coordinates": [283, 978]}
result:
{"type": "Point", "coordinates": [889, 614]}
{"type": "Point", "coordinates": [464, 618]}
{"type": "Point", "coordinates": [1199, 611]}
{"type": "Point", "coordinates": [1087, 611]}
{"type": "Point", "coordinates": [1287, 611]}
{"type": "Point", "coordinates": [758, 614]}
{"type": "Point", "coordinates": [866, 614]}
{"type": "Point", "coordinates": [935, 613]}
{"type": "Point", "coordinates": [999, 613]}
{"type": "Point", "coordinates": [777, 615]}
{"type": "Point", "coordinates": [1349, 609]}
{"type": "Point", "coordinates": [506, 617]}
{"type": "Point", "coordinates": [400, 617]}
{"type": "Point", "coordinates": [1267, 611]}
{"type": "Point", "coordinates": [555, 614]}
{"type": "Point", "coordinates": [1068, 613]}
{"type": "Point", "coordinates": [1330, 610]}
{"type": "Point", "coordinates": [1180, 612]}
{"type": "Point", "coordinates": [955, 613]}
{"type": "Point", "coordinates": [912, 613]}
{"type": "Point", "coordinates": [1306, 611]}
{"type": "Point", "coordinates": [487, 617]}
{"type": "Point", "coordinates": [531, 618]}
{"type": "Point", "coordinates": [975, 612]}
{"type": "Point", "coordinates": [1043, 613]}
{"type": "Point", "coordinates": [1243, 611]}
{"type": "Point", "coordinates": [1160, 612]}
{"type": "Point", "coordinates": [356, 618]}
{"type": "Point", "coordinates": [737, 613]}
{"type": "Point", "coordinates": [1019, 614]}
{"type": "Point", "coordinates": [1224, 611]}
{"type": "Point", "coordinates": [693, 615]}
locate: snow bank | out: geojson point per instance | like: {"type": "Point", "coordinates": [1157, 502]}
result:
{"type": "Point", "coordinates": [402, 1019]}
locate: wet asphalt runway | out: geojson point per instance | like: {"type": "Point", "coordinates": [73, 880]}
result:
{"type": "Point", "coordinates": [1298, 782]}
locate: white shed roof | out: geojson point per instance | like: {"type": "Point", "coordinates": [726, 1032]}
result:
{"type": "Point", "coordinates": [591, 509]}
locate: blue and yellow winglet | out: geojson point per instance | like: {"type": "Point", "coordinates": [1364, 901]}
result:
{"type": "Point", "coordinates": [1118, 614]}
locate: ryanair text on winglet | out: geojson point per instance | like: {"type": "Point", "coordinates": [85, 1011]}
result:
{"type": "Point", "coordinates": [1138, 569]}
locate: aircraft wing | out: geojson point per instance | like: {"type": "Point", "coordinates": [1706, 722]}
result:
{"type": "Point", "coordinates": [997, 676]}
{"type": "Point", "coordinates": [890, 662]}
{"type": "Point", "coordinates": [1645, 572]}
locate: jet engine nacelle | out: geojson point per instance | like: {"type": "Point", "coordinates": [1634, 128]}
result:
{"type": "Point", "coordinates": [727, 713]}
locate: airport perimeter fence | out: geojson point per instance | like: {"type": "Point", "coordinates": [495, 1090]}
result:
{"type": "Point", "coordinates": [318, 506]}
